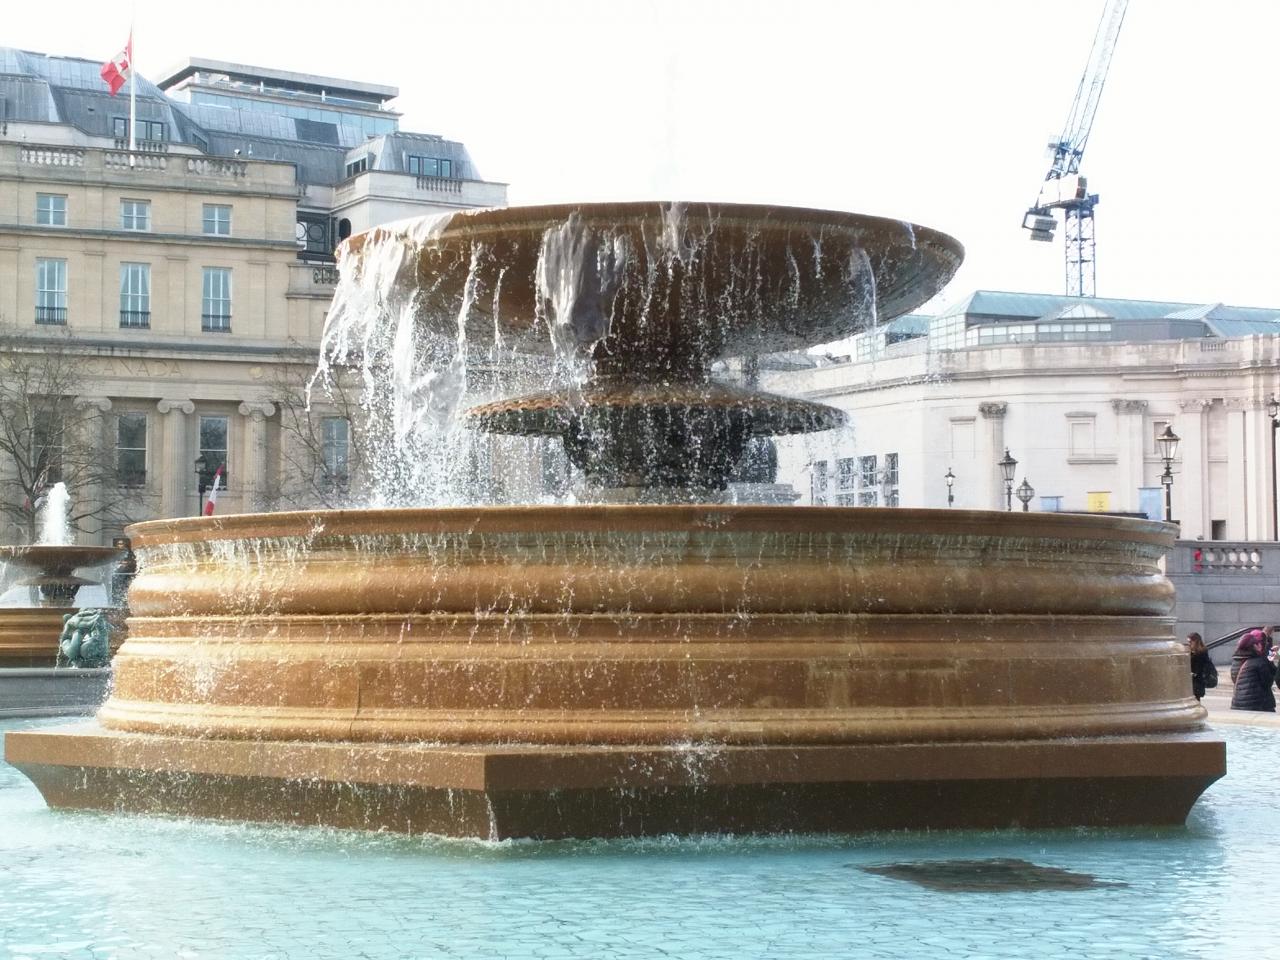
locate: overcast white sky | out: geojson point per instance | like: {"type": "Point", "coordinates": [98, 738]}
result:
{"type": "Point", "coordinates": [926, 110]}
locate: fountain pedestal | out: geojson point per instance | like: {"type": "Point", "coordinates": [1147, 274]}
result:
{"type": "Point", "coordinates": [585, 671]}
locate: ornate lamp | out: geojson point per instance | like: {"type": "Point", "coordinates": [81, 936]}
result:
{"type": "Point", "coordinates": [951, 479]}
{"type": "Point", "coordinates": [1007, 467]}
{"type": "Point", "coordinates": [1025, 493]}
{"type": "Point", "coordinates": [1168, 443]}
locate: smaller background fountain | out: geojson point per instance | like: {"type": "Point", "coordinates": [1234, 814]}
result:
{"type": "Point", "coordinates": [40, 584]}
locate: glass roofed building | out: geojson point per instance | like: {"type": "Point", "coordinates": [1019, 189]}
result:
{"type": "Point", "coordinates": [1077, 389]}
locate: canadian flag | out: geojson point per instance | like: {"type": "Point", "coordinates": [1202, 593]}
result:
{"type": "Point", "coordinates": [213, 493]}
{"type": "Point", "coordinates": [116, 70]}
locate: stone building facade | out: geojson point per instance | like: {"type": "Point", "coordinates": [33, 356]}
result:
{"type": "Point", "coordinates": [195, 270]}
{"type": "Point", "coordinates": [1076, 390]}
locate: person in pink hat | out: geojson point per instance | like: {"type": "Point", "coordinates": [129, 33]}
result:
{"type": "Point", "coordinates": [1253, 674]}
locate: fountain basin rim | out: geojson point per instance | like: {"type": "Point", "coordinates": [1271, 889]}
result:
{"type": "Point", "coordinates": [610, 213]}
{"type": "Point", "coordinates": [61, 557]}
{"type": "Point", "coordinates": [653, 519]}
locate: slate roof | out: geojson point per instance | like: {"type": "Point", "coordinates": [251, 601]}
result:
{"type": "Point", "coordinates": [36, 87]}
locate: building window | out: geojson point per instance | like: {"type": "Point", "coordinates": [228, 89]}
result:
{"type": "Point", "coordinates": [430, 166]}
{"type": "Point", "coordinates": [890, 479]}
{"type": "Point", "coordinates": [135, 294]}
{"type": "Point", "coordinates": [312, 232]}
{"type": "Point", "coordinates": [135, 214]}
{"type": "Point", "coordinates": [1081, 437]}
{"type": "Point", "coordinates": [131, 449]}
{"type": "Point", "coordinates": [868, 498]}
{"type": "Point", "coordinates": [818, 482]}
{"type": "Point", "coordinates": [216, 220]}
{"type": "Point", "coordinates": [51, 209]}
{"type": "Point", "coordinates": [46, 447]}
{"type": "Point", "coordinates": [847, 474]}
{"type": "Point", "coordinates": [335, 447]}
{"type": "Point", "coordinates": [213, 448]}
{"type": "Point", "coordinates": [147, 129]}
{"type": "Point", "coordinates": [215, 304]}
{"type": "Point", "coordinates": [867, 472]}
{"type": "Point", "coordinates": [51, 291]}
{"type": "Point", "coordinates": [359, 165]}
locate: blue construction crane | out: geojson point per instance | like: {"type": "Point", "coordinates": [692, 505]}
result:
{"type": "Point", "coordinates": [1064, 188]}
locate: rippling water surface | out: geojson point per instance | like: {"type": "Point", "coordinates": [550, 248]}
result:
{"type": "Point", "coordinates": [87, 885]}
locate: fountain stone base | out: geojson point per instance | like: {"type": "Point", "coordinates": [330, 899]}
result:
{"type": "Point", "coordinates": [616, 670]}
{"type": "Point", "coordinates": [551, 793]}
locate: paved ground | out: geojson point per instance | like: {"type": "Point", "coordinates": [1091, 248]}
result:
{"type": "Point", "coordinates": [1218, 702]}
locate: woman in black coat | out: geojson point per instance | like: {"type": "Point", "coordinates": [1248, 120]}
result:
{"type": "Point", "coordinates": [1253, 674]}
{"type": "Point", "coordinates": [1202, 668]}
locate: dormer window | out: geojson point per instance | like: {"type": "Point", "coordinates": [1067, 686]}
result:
{"type": "Point", "coordinates": [430, 166]}
{"type": "Point", "coordinates": [359, 165]}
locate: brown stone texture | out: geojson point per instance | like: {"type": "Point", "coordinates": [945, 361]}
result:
{"type": "Point", "coordinates": [632, 669]}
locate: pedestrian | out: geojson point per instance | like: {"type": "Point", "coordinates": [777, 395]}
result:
{"type": "Point", "coordinates": [1203, 672]}
{"type": "Point", "coordinates": [1253, 674]}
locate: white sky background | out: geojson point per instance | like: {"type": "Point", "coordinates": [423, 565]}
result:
{"type": "Point", "coordinates": [926, 110]}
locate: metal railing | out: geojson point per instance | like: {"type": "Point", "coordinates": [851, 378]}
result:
{"type": "Point", "coordinates": [215, 322]}
{"type": "Point", "coordinates": [51, 315]}
{"type": "Point", "coordinates": [135, 318]}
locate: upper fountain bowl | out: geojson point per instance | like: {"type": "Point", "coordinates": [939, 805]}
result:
{"type": "Point", "coordinates": [672, 285]}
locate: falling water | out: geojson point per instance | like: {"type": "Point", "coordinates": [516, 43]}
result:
{"type": "Point", "coordinates": [423, 327]}
{"type": "Point", "coordinates": [55, 527]}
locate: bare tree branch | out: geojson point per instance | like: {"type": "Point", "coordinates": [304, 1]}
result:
{"type": "Point", "coordinates": [50, 434]}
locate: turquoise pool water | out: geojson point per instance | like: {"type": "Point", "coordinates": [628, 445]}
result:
{"type": "Point", "coordinates": [87, 885]}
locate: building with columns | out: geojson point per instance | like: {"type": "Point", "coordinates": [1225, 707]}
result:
{"type": "Point", "coordinates": [1077, 390]}
{"type": "Point", "coordinates": [194, 271]}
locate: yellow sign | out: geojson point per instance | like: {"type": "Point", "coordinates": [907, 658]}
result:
{"type": "Point", "coordinates": [1099, 501]}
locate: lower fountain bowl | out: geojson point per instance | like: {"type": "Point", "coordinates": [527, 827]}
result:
{"type": "Point", "coordinates": [575, 671]}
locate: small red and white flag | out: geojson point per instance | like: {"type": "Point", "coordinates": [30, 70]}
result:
{"type": "Point", "coordinates": [116, 70]}
{"type": "Point", "coordinates": [213, 493]}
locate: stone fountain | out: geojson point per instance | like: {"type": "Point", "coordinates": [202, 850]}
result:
{"type": "Point", "coordinates": [656, 661]}
{"type": "Point", "coordinates": [29, 634]}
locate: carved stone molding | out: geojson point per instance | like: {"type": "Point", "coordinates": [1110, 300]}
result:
{"type": "Point", "coordinates": [993, 409]}
{"type": "Point", "coordinates": [1123, 405]}
{"type": "Point", "coordinates": [1196, 405]}
{"type": "Point", "coordinates": [102, 404]}
{"type": "Point", "coordinates": [1237, 403]}
{"type": "Point", "coordinates": [257, 409]}
{"type": "Point", "coordinates": [179, 406]}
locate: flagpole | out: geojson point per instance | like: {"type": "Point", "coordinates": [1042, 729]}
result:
{"type": "Point", "coordinates": [133, 101]}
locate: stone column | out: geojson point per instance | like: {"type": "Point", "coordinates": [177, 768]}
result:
{"type": "Point", "coordinates": [175, 460]}
{"type": "Point", "coordinates": [1191, 475]}
{"type": "Point", "coordinates": [95, 435]}
{"type": "Point", "coordinates": [1238, 467]}
{"type": "Point", "coordinates": [254, 471]}
{"type": "Point", "coordinates": [993, 450]}
{"type": "Point", "coordinates": [1130, 449]}
{"type": "Point", "coordinates": [1257, 447]}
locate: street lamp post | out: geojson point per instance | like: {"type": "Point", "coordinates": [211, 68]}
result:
{"type": "Point", "coordinates": [1025, 493]}
{"type": "Point", "coordinates": [202, 464]}
{"type": "Point", "coordinates": [1168, 442]}
{"type": "Point", "coordinates": [1273, 408]}
{"type": "Point", "coordinates": [1007, 467]}
{"type": "Point", "coordinates": [951, 479]}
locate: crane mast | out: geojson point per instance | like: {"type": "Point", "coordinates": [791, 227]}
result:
{"type": "Point", "coordinates": [1064, 187]}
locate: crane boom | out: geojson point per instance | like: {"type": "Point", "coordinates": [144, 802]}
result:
{"type": "Point", "coordinates": [1063, 188]}
{"type": "Point", "coordinates": [1075, 135]}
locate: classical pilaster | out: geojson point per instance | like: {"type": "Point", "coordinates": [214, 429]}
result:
{"type": "Point", "coordinates": [1238, 468]}
{"type": "Point", "coordinates": [993, 412]}
{"type": "Point", "coordinates": [1257, 448]}
{"type": "Point", "coordinates": [256, 414]}
{"type": "Point", "coordinates": [94, 439]}
{"type": "Point", "coordinates": [177, 463]}
{"type": "Point", "coordinates": [1191, 475]}
{"type": "Point", "coordinates": [1131, 449]}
